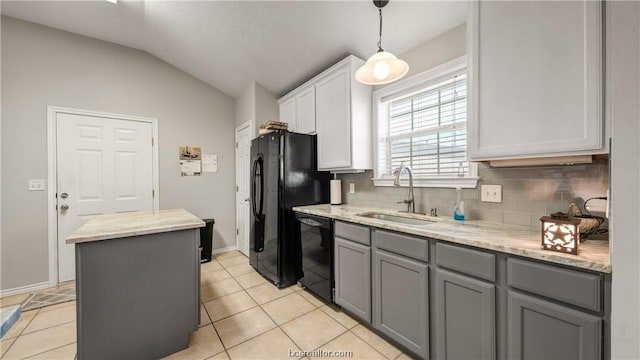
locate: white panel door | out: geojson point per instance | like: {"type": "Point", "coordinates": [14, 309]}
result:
{"type": "Point", "coordinates": [243, 154]}
{"type": "Point", "coordinates": [104, 165]}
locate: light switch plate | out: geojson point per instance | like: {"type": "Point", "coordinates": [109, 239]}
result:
{"type": "Point", "coordinates": [36, 184]}
{"type": "Point", "coordinates": [491, 193]}
{"type": "Point", "coordinates": [352, 188]}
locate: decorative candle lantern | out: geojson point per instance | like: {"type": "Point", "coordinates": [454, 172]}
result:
{"type": "Point", "coordinates": [560, 233]}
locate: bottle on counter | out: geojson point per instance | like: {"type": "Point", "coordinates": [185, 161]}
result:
{"type": "Point", "coordinates": [458, 210]}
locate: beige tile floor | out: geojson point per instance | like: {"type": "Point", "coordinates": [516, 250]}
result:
{"type": "Point", "coordinates": [242, 317]}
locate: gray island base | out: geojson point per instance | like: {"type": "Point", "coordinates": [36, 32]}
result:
{"type": "Point", "coordinates": [138, 284]}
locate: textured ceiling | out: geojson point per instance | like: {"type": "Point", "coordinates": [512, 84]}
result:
{"type": "Point", "coordinates": [228, 44]}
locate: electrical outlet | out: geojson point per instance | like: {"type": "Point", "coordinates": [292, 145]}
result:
{"type": "Point", "coordinates": [352, 188]}
{"type": "Point", "coordinates": [36, 185]}
{"type": "Point", "coordinates": [491, 193]}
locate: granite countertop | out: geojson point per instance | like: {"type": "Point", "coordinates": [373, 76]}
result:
{"type": "Point", "coordinates": [516, 240]}
{"type": "Point", "coordinates": [114, 226]}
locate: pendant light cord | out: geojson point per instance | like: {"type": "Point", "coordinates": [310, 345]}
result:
{"type": "Point", "coordinates": [380, 34]}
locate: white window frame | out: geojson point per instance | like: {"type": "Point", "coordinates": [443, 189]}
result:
{"type": "Point", "coordinates": [406, 86]}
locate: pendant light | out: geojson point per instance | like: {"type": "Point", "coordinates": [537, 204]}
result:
{"type": "Point", "coordinates": [382, 67]}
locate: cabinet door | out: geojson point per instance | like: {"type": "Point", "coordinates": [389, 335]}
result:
{"type": "Point", "coordinates": [333, 120]}
{"type": "Point", "coordinates": [306, 110]}
{"type": "Point", "coordinates": [353, 278]}
{"type": "Point", "coordinates": [400, 300]}
{"type": "Point", "coordinates": [539, 329]}
{"type": "Point", "coordinates": [288, 112]}
{"type": "Point", "coordinates": [535, 79]}
{"type": "Point", "coordinates": [465, 317]}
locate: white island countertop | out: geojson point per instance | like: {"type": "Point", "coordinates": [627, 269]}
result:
{"type": "Point", "coordinates": [594, 254]}
{"type": "Point", "coordinates": [114, 226]}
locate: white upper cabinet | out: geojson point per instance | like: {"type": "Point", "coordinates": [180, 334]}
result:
{"type": "Point", "coordinates": [535, 79]}
{"type": "Point", "coordinates": [288, 112]}
{"type": "Point", "coordinates": [337, 108]}
{"type": "Point", "coordinates": [343, 119]}
{"type": "Point", "coordinates": [306, 110]}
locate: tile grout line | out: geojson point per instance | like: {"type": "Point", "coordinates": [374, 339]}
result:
{"type": "Point", "coordinates": [21, 331]}
{"type": "Point", "coordinates": [373, 347]}
{"type": "Point", "coordinates": [216, 331]}
{"type": "Point", "coordinates": [269, 316]}
{"type": "Point", "coordinates": [46, 351]}
{"type": "Point", "coordinates": [46, 328]}
{"type": "Point", "coordinates": [240, 312]}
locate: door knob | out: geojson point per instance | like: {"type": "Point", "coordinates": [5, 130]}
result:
{"type": "Point", "coordinates": [64, 207]}
{"type": "Point", "coordinates": [64, 195]}
{"type": "Point", "coordinates": [247, 199]}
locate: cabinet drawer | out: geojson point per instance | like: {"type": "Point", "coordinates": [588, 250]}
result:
{"type": "Point", "coordinates": [571, 286]}
{"type": "Point", "coordinates": [472, 262]}
{"type": "Point", "coordinates": [352, 232]}
{"type": "Point", "coordinates": [414, 247]}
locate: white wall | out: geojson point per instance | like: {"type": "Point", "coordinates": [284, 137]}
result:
{"type": "Point", "coordinates": [623, 86]}
{"type": "Point", "coordinates": [42, 66]}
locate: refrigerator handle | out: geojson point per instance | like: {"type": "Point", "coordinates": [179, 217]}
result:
{"type": "Point", "coordinates": [260, 161]}
{"type": "Point", "coordinates": [254, 167]}
{"type": "Point", "coordinates": [257, 171]}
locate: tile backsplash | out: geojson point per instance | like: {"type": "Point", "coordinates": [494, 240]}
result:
{"type": "Point", "coordinates": [527, 193]}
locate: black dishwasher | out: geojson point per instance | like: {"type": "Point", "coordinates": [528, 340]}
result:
{"type": "Point", "coordinates": [316, 236]}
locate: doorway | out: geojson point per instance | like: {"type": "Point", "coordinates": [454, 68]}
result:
{"type": "Point", "coordinates": [99, 163]}
{"type": "Point", "coordinates": [244, 135]}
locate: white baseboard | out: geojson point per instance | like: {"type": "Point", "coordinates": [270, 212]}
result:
{"type": "Point", "coordinates": [24, 289]}
{"type": "Point", "coordinates": [224, 249]}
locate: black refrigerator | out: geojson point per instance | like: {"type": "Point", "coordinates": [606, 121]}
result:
{"type": "Point", "coordinates": [283, 175]}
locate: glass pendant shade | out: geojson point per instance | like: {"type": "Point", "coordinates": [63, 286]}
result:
{"type": "Point", "coordinates": [382, 68]}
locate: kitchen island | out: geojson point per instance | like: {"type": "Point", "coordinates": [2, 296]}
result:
{"type": "Point", "coordinates": [137, 284]}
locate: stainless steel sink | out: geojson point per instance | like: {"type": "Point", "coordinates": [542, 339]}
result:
{"type": "Point", "coordinates": [396, 218]}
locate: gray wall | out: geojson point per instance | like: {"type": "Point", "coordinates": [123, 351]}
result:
{"type": "Point", "coordinates": [42, 66]}
{"type": "Point", "coordinates": [245, 105]}
{"type": "Point", "coordinates": [623, 83]}
{"type": "Point", "coordinates": [256, 104]}
{"type": "Point", "coordinates": [266, 107]}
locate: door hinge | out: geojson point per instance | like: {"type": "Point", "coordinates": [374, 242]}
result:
{"type": "Point", "coordinates": [152, 141]}
{"type": "Point", "coordinates": [56, 195]}
{"type": "Point", "coordinates": [153, 193]}
{"type": "Point", "coordinates": [237, 188]}
{"type": "Point", "coordinates": [237, 231]}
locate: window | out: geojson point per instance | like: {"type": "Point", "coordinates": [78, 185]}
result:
{"type": "Point", "coordinates": [421, 122]}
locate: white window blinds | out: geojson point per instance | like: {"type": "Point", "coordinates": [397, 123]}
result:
{"type": "Point", "coordinates": [425, 128]}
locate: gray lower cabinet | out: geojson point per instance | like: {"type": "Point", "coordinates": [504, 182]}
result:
{"type": "Point", "coordinates": [484, 305]}
{"type": "Point", "coordinates": [353, 277]}
{"type": "Point", "coordinates": [401, 299]}
{"type": "Point", "coordinates": [465, 317]}
{"type": "Point", "coordinates": [539, 329]}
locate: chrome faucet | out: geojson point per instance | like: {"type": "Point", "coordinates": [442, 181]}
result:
{"type": "Point", "coordinates": [411, 204]}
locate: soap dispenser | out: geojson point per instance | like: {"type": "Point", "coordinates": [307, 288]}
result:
{"type": "Point", "coordinates": [458, 210]}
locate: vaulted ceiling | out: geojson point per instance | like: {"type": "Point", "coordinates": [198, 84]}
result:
{"type": "Point", "coordinates": [229, 44]}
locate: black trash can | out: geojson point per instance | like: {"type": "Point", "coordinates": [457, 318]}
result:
{"type": "Point", "coordinates": [206, 240]}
